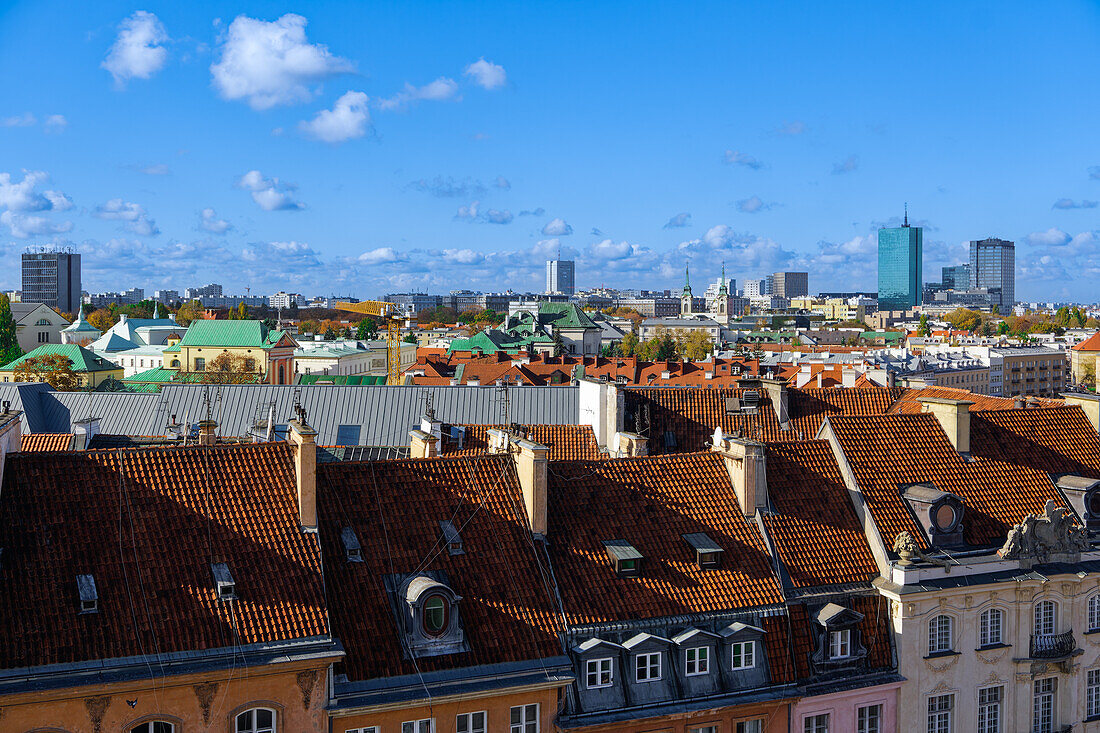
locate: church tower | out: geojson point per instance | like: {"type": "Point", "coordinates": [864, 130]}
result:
{"type": "Point", "coordinates": [721, 304]}
{"type": "Point", "coordinates": [686, 298]}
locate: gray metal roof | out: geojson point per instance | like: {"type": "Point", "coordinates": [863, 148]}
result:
{"type": "Point", "coordinates": [386, 414]}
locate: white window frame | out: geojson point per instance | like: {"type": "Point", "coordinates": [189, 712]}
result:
{"type": "Point", "coordinates": [418, 726]}
{"type": "Point", "coordinates": [990, 700]}
{"type": "Point", "coordinates": [696, 661]}
{"type": "Point", "coordinates": [936, 635]}
{"type": "Point", "coordinates": [863, 724]}
{"type": "Point", "coordinates": [368, 729]}
{"type": "Point", "coordinates": [816, 723]}
{"type": "Point", "coordinates": [651, 663]}
{"type": "Point", "coordinates": [599, 668]}
{"type": "Point", "coordinates": [742, 726]}
{"type": "Point", "coordinates": [991, 627]}
{"type": "Point", "coordinates": [470, 722]}
{"type": "Point", "coordinates": [254, 727]}
{"type": "Point", "coordinates": [1045, 617]}
{"type": "Point", "coordinates": [523, 726]}
{"type": "Point", "coordinates": [1044, 705]}
{"type": "Point", "coordinates": [941, 713]}
{"type": "Point", "coordinates": [147, 725]}
{"type": "Point", "coordinates": [1094, 612]}
{"type": "Point", "coordinates": [704, 729]}
{"type": "Point", "coordinates": [840, 644]}
{"type": "Point", "coordinates": [1092, 694]}
{"type": "Point", "coordinates": [743, 655]}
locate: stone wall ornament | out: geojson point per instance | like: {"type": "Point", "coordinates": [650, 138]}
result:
{"type": "Point", "coordinates": [306, 681]}
{"type": "Point", "coordinates": [1038, 538]}
{"type": "Point", "coordinates": [97, 708]}
{"type": "Point", "coordinates": [205, 692]}
{"type": "Point", "coordinates": [907, 548]}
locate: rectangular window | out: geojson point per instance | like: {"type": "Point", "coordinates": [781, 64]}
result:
{"type": "Point", "coordinates": [368, 729]}
{"type": "Point", "coordinates": [598, 672]}
{"type": "Point", "coordinates": [750, 726]}
{"type": "Point", "coordinates": [425, 725]}
{"type": "Point", "coordinates": [525, 719]}
{"type": "Point", "coordinates": [470, 723]}
{"type": "Point", "coordinates": [697, 661]}
{"type": "Point", "coordinates": [840, 644]}
{"type": "Point", "coordinates": [744, 654]}
{"type": "Point", "coordinates": [200, 366]}
{"type": "Point", "coordinates": [1042, 710]}
{"type": "Point", "coordinates": [647, 667]}
{"type": "Point", "coordinates": [869, 719]}
{"type": "Point", "coordinates": [989, 709]}
{"type": "Point", "coordinates": [990, 627]}
{"type": "Point", "coordinates": [940, 710]}
{"type": "Point", "coordinates": [347, 434]}
{"type": "Point", "coordinates": [1092, 694]}
{"type": "Point", "coordinates": [816, 724]}
{"type": "Point", "coordinates": [704, 729]}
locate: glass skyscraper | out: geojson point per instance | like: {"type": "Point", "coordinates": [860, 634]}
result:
{"type": "Point", "coordinates": [560, 276]}
{"type": "Point", "coordinates": [956, 277]}
{"type": "Point", "coordinates": [993, 266]}
{"type": "Point", "coordinates": [899, 267]}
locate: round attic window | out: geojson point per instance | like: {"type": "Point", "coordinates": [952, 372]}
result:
{"type": "Point", "coordinates": [435, 615]}
{"type": "Point", "coordinates": [1094, 504]}
{"type": "Point", "coordinates": [945, 517]}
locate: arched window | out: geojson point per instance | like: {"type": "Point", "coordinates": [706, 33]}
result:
{"type": "Point", "coordinates": [1045, 613]}
{"type": "Point", "coordinates": [940, 636]}
{"type": "Point", "coordinates": [991, 623]}
{"type": "Point", "coordinates": [256, 720]}
{"type": "Point", "coordinates": [1094, 613]}
{"type": "Point", "coordinates": [154, 726]}
{"type": "Point", "coordinates": [435, 615]}
{"type": "Point", "coordinates": [43, 322]}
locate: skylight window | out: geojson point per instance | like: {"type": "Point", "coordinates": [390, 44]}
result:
{"type": "Point", "coordinates": [624, 557]}
{"type": "Point", "coordinates": [352, 549]}
{"type": "Point", "coordinates": [89, 598]}
{"type": "Point", "coordinates": [223, 582]}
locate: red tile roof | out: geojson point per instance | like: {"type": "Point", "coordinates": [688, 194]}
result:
{"type": "Point", "coordinates": [146, 524]}
{"type": "Point", "coordinates": [814, 529]}
{"type": "Point", "coordinates": [46, 442]}
{"type": "Point", "coordinates": [1054, 439]}
{"type": "Point", "coordinates": [395, 508]}
{"type": "Point", "coordinates": [909, 402]}
{"type": "Point", "coordinates": [1092, 343]}
{"type": "Point", "coordinates": [650, 502]}
{"type": "Point", "coordinates": [566, 442]}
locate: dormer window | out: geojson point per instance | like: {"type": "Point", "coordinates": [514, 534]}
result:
{"type": "Point", "coordinates": [89, 598]}
{"type": "Point", "coordinates": [352, 549]}
{"type": "Point", "coordinates": [707, 552]}
{"type": "Point", "coordinates": [625, 558]}
{"type": "Point", "coordinates": [838, 640]}
{"type": "Point", "coordinates": [840, 644]}
{"type": "Point", "coordinates": [451, 537]}
{"type": "Point", "coordinates": [1084, 496]}
{"type": "Point", "coordinates": [435, 615]}
{"type": "Point", "coordinates": [223, 582]}
{"type": "Point", "coordinates": [940, 514]}
{"type": "Point", "coordinates": [429, 615]}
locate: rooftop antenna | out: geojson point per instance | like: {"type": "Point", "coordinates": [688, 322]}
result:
{"type": "Point", "coordinates": [906, 214]}
{"type": "Point", "coordinates": [429, 405]}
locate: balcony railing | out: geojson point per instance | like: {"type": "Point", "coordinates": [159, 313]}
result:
{"type": "Point", "coordinates": [1052, 646]}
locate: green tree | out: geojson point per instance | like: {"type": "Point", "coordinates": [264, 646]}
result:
{"type": "Point", "coordinates": [665, 347]}
{"type": "Point", "coordinates": [366, 329]}
{"type": "Point", "coordinates": [409, 339]}
{"type": "Point", "coordinates": [559, 344]}
{"type": "Point", "coordinates": [629, 344]}
{"type": "Point", "coordinates": [1003, 328]}
{"type": "Point", "coordinates": [9, 341]}
{"type": "Point", "coordinates": [924, 329]}
{"type": "Point", "coordinates": [188, 312]}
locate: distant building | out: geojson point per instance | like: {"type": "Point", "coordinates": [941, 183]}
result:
{"type": "Point", "coordinates": [52, 278]}
{"type": "Point", "coordinates": [36, 324]}
{"type": "Point", "coordinates": [206, 291]}
{"type": "Point", "coordinates": [956, 277]}
{"type": "Point", "coordinates": [414, 302]}
{"type": "Point", "coordinates": [166, 296]}
{"type": "Point", "coordinates": [560, 276]}
{"type": "Point", "coordinates": [755, 289]}
{"type": "Point", "coordinates": [993, 266]}
{"type": "Point", "coordinates": [127, 297]}
{"type": "Point", "coordinates": [899, 266]}
{"type": "Point", "coordinates": [285, 300]}
{"type": "Point", "coordinates": [789, 284]}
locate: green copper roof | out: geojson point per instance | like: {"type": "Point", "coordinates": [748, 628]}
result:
{"type": "Point", "coordinates": [82, 359]}
{"type": "Point", "coordinates": [351, 380]}
{"type": "Point", "coordinates": [229, 334]}
{"type": "Point", "coordinates": [564, 315]}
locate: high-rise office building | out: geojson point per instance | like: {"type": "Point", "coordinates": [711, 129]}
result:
{"type": "Point", "coordinates": [559, 277]}
{"type": "Point", "coordinates": [756, 288]}
{"type": "Point", "coordinates": [993, 266]}
{"type": "Point", "coordinates": [899, 266]}
{"type": "Point", "coordinates": [52, 278]}
{"type": "Point", "coordinates": [790, 284]}
{"type": "Point", "coordinates": [956, 277]}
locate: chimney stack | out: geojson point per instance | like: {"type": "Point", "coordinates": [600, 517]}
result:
{"type": "Point", "coordinates": [83, 432]}
{"type": "Point", "coordinates": [303, 440]}
{"type": "Point", "coordinates": [207, 435]}
{"type": "Point", "coordinates": [954, 417]}
{"type": "Point", "coordinates": [423, 444]}
{"type": "Point", "coordinates": [745, 463]}
{"type": "Point", "coordinates": [531, 461]}
{"type": "Point", "coordinates": [11, 434]}
{"type": "Point", "coordinates": [632, 445]}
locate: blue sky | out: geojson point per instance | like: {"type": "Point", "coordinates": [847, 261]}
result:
{"type": "Point", "coordinates": [362, 148]}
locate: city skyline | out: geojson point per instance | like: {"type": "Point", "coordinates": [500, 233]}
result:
{"type": "Point", "coordinates": [425, 148]}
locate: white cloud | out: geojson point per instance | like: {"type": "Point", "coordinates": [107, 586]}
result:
{"type": "Point", "coordinates": [440, 90]}
{"type": "Point", "coordinates": [58, 201]}
{"type": "Point", "coordinates": [211, 223]}
{"type": "Point", "coordinates": [847, 165]}
{"type": "Point", "coordinates": [502, 183]}
{"type": "Point", "coordinates": [137, 53]}
{"type": "Point", "coordinates": [473, 213]}
{"type": "Point", "coordinates": [608, 250]}
{"type": "Point", "coordinates": [55, 124]}
{"type": "Point", "coordinates": [22, 196]}
{"type": "Point", "coordinates": [447, 187]}
{"type": "Point", "coordinates": [269, 193]}
{"type": "Point", "coordinates": [25, 226]}
{"type": "Point", "coordinates": [380, 256]}
{"type": "Point", "coordinates": [468, 212]}
{"type": "Point", "coordinates": [290, 256]}
{"type": "Point", "coordinates": [1071, 204]}
{"type": "Point", "coordinates": [736, 157]}
{"type": "Point", "coordinates": [557, 228]}
{"type": "Point", "coordinates": [752, 205]}
{"type": "Point", "coordinates": [137, 221]}
{"type": "Point", "coordinates": [496, 216]}
{"type": "Point", "coordinates": [24, 120]}
{"type": "Point", "coordinates": [486, 74]}
{"type": "Point", "coordinates": [463, 256]}
{"type": "Point", "coordinates": [679, 221]}
{"type": "Point", "coordinates": [271, 63]}
{"type": "Point", "coordinates": [1052, 237]}
{"type": "Point", "coordinates": [349, 118]}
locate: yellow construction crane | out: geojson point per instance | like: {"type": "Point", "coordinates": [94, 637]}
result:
{"type": "Point", "coordinates": [392, 316]}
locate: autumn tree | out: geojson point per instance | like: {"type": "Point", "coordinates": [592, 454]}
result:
{"type": "Point", "coordinates": [230, 368]}
{"type": "Point", "coordinates": [695, 345]}
{"type": "Point", "coordinates": [309, 326]}
{"type": "Point", "coordinates": [964, 319]}
{"type": "Point", "coordinates": [55, 370]}
{"type": "Point", "coordinates": [100, 319]}
{"type": "Point", "coordinates": [9, 341]}
{"type": "Point", "coordinates": [189, 311]}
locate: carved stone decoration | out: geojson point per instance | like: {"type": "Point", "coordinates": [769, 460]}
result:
{"type": "Point", "coordinates": [1038, 538]}
{"type": "Point", "coordinates": [940, 688]}
{"type": "Point", "coordinates": [968, 601]}
{"type": "Point", "coordinates": [948, 664]}
{"type": "Point", "coordinates": [97, 708]}
{"type": "Point", "coordinates": [992, 679]}
{"type": "Point", "coordinates": [990, 658]}
{"type": "Point", "coordinates": [306, 681]}
{"type": "Point", "coordinates": [205, 692]}
{"type": "Point", "coordinates": [907, 548]}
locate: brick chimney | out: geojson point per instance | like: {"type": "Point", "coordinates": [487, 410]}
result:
{"type": "Point", "coordinates": [83, 432]}
{"type": "Point", "coordinates": [954, 417]}
{"type": "Point", "coordinates": [207, 434]}
{"type": "Point", "coordinates": [531, 463]}
{"type": "Point", "coordinates": [303, 440]}
{"type": "Point", "coordinates": [632, 444]}
{"type": "Point", "coordinates": [744, 461]}
{"type": "Point", "coordinates": [423, 444]}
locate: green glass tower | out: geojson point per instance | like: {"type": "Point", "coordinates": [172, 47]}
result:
{"type": "Point", "coordinates": [899, 267]}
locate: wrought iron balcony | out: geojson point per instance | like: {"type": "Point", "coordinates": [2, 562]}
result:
{"type": "Point", "coordinates": [1052, 646]}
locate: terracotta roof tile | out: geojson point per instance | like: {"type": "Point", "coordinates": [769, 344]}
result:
{"type": "Point", "coordinates": [566, 442]}
{"type": "Point", "coordinates": [46, 442]}
{"type": "Point", "coordinates": [651, 502]}
{"type": "Point", "coordinates": [395, 508]}
{"type": "Point", "coordinates": [909, 402]}
{"type": "Point", "coordinates": [814, 528]}
{"type": "Point", "coordinates": [778, 649]}
{"type": "Point", "coordinates": [1092, 343]}
{"type": "Point", "coordinates": [1052, 439]}
{"type": "Point", "coordinates": [146, 524]}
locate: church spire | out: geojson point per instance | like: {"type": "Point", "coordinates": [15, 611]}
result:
{"type": "Point", "coordinates": [687, 279]}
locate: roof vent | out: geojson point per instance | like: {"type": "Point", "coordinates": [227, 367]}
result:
{"type": "Point", "coordinates": [733, 405]}
{"type": "Point", "coordinates": [223, 581]}
{"type": "Point", "coordinates": [751, 398]}
{"type": "Point", "coordinates": [89, 598]}
{"type": "Point", "coordinates": [707, 552]}
{"type": "Point", "coordinates": [352, 549]}
{"type": "Point", "coordinates": [452, 537]}
{"type": "Point", "coordinates": [625, 558]}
